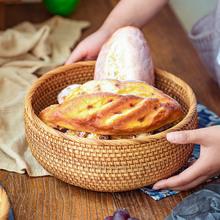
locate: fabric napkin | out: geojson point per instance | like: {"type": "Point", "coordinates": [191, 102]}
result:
{"type": "Point", "coordinates": [28, 50]}
{"type": "Point", "coordinates": [206, 118]}
{"type": "Point", "coordinates": [201, 205]}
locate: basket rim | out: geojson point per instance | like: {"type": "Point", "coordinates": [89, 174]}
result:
{"type": "Point", "coordinates": [30, 111]}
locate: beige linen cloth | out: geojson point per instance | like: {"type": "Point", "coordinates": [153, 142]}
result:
{"type": "Point", "coordinates": [27, 50]}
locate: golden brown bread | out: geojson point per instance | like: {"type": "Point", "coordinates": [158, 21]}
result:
{"type": "Point", "coordinates": [4, 205]}
{"type": "Point", "coordinates": [113, 107]}
{"type": "Point", "coordinates": [125, 56]}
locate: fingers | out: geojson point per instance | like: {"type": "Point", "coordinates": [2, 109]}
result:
{"type": "Point", "coordinates": [201, 136]}
{"type": "Point", "coordinates": [75, 56]}
{"type": "Point", "coordinates": [206, 167]}
{"type": "Point", "coordinates": [190, 177]}
{"type": "Point", "coordinates": [89, 48]}
{"type": "Point", "coordinates": [183, 137]}
{"type": "Point", "coordinates": [165, 184]}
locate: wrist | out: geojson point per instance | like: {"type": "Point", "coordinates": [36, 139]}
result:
{"type": "Point", "coordinates": [109, 27]}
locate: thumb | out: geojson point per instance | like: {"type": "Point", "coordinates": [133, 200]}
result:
{"type": "Point", "coordinates": [197, 136]}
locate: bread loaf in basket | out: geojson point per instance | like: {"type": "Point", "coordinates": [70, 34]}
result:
{"type": "Point", "coordinates": [105, 165]}
{"type": "Point", "coordinates": [113, 107]}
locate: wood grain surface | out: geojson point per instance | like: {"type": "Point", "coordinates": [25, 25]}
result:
{"type": "Point", "coordinates": [50, 198]}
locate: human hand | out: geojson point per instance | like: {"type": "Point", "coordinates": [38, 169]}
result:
{"type": "Point", "coordinates": [89, 48]}
{"type": "Point", "coordinates": [207, 165]}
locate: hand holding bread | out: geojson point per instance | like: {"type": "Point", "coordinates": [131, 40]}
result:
{"type": "Point", "coordinates": [121, 101]}
{"type": "Point", "coordinates": [88, 48]}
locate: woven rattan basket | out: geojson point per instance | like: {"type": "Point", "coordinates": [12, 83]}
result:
{"type": "Point", "coordinates": [105, 165]}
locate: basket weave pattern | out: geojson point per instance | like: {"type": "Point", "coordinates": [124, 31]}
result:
{"type": "Point", "coordinates": [105, 165]}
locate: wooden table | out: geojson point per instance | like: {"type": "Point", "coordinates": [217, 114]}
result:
{"type": "Point", "coordinates": [2, 11]}
{"type": "Point", "coordinates": [50, 198]}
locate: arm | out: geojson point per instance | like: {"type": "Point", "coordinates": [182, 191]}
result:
{"type": "Point", "coordinates": [127, 12]}
{"type": "Point", "coordinates": [135, 13]}
{"type": "Point", "coordinates": [206, 167]}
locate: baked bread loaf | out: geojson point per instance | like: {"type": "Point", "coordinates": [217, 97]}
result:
{"type": "Point", "coordinates": [125, 56]}
{"type": "Point", "coordinates": [4, 205]}
{"type": "Point", "coordinates": [113, 107]}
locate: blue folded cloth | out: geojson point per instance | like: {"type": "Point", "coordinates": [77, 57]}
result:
{"type": "Point", "coordinates": [11, 216]}
{"type": "Point", "coordinates": [206, 118]}
{"type": "Point", "coordinates": [201, 205]}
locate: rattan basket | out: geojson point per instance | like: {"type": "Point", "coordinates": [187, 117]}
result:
{"type": "Point", "coordinates": [105, 165]}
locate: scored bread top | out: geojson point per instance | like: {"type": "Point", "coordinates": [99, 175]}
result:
{"type": "Point", "coordinates": [113, 107]}
{"type": "Point", "coordinates": [125, 56]}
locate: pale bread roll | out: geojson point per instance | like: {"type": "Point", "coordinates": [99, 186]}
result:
{"type": "Point", "coordinates": [65, 92]}
{"type": "Point", "coordinates": [125, 56]}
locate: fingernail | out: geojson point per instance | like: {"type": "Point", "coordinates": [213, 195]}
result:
{"type": "Point", "coordinates": [171, 137]}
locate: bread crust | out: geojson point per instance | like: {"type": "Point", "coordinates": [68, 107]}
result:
{"type": "Point", "coordinates": [131, 107]}
{"type": "Point", "coordinates": [4, 205]}
{"type": "Point", "coordinates": [125, 56]}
